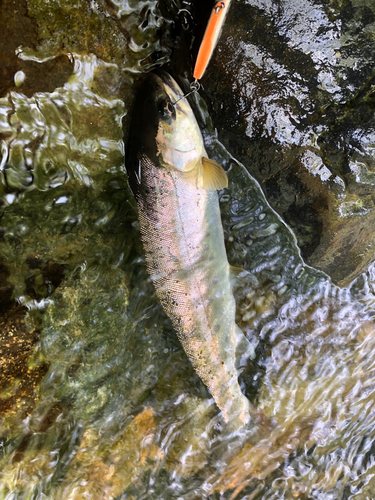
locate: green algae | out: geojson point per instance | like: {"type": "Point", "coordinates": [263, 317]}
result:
{"type": "Point", "coordinates": [60, 232]}
{"type": "Point", "coordinates": [11, 389]}
{"type": "Point", "coordinates": [78, 27]}
{"type": "Point", "coordinates": [129, 37]}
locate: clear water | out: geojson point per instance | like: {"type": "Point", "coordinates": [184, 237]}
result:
{"type": "Point", "coordinates": [103, 403]}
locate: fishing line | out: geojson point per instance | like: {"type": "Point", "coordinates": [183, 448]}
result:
{"type": "Point", "coordinates": [194, 87]}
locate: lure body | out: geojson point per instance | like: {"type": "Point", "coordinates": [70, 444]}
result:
{"type": "Point", "coordinates": [211, 36]}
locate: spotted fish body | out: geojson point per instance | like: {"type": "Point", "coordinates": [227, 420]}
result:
{"type": "Point", "coordinates": [183, 240]}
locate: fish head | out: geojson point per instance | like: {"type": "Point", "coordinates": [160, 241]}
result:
{"type": "Point", "coordinates": [163, 128]}
{"type": "Point", "coordinates": [179, 140]}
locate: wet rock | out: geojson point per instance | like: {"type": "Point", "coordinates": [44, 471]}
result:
{"type": "Point", "coordinates": [16, 73]}
{"type": "Point", "coordinates": [42, 77]}
{"type": "Point", "coordinates": [12, 15]}
{"type": "Point", "coordinates": [105, 472]}
{"type": "Point", "coordinates": [291, 89]}
{"type": "Point", "coordinates": [102, 362]}
{"type": "Point", "coordinates": [5, 289]}
{"type": "Point", "coordinates": [189, 447]}
{"type": "Point", "coordinates": [130, 35]}
{"type": "Point", "coordinates": [99, 34]}
{"type": "Point", "coordinates": [19, 374]}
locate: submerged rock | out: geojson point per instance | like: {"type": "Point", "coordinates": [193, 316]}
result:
{"type": "Point", "coordinates": [104, 472]}
{"type": "Point", "coordinates": [291, 87]}
{"type": "Point", "coordinates": [21, 367]}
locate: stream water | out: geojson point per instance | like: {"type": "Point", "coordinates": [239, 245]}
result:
{"type": "Point", "coordinates": [98, 400]}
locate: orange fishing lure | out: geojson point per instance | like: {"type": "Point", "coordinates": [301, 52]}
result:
{"type": "Point", "coordinates": [211, 37]}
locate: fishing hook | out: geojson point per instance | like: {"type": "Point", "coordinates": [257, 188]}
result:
{"type": "Point", "coordinates": [194, 87]}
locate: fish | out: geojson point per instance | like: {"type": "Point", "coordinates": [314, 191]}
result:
{"type": "Point", "coordinates": [210, 37]}
{"type": "Point", "coordinates": [175, 185]}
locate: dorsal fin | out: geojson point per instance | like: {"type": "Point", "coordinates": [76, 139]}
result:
{"type": "Point", "coordinates": [212, 175]}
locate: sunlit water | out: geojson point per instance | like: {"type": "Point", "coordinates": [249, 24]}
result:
{"type": "Point", "coordinates": [117, 410]}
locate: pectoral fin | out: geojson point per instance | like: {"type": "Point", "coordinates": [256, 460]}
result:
{"type": "Point", "coordinates": [212, 175]}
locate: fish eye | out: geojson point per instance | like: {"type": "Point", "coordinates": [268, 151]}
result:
{"type": "Point", "coordinates": [166, 109]}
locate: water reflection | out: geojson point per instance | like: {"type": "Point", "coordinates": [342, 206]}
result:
{"type": "Point", "coordinates": [98, 399]}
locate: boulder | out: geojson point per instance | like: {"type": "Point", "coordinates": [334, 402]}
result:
{"type": "Point", "coordinates": [291, 92]}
